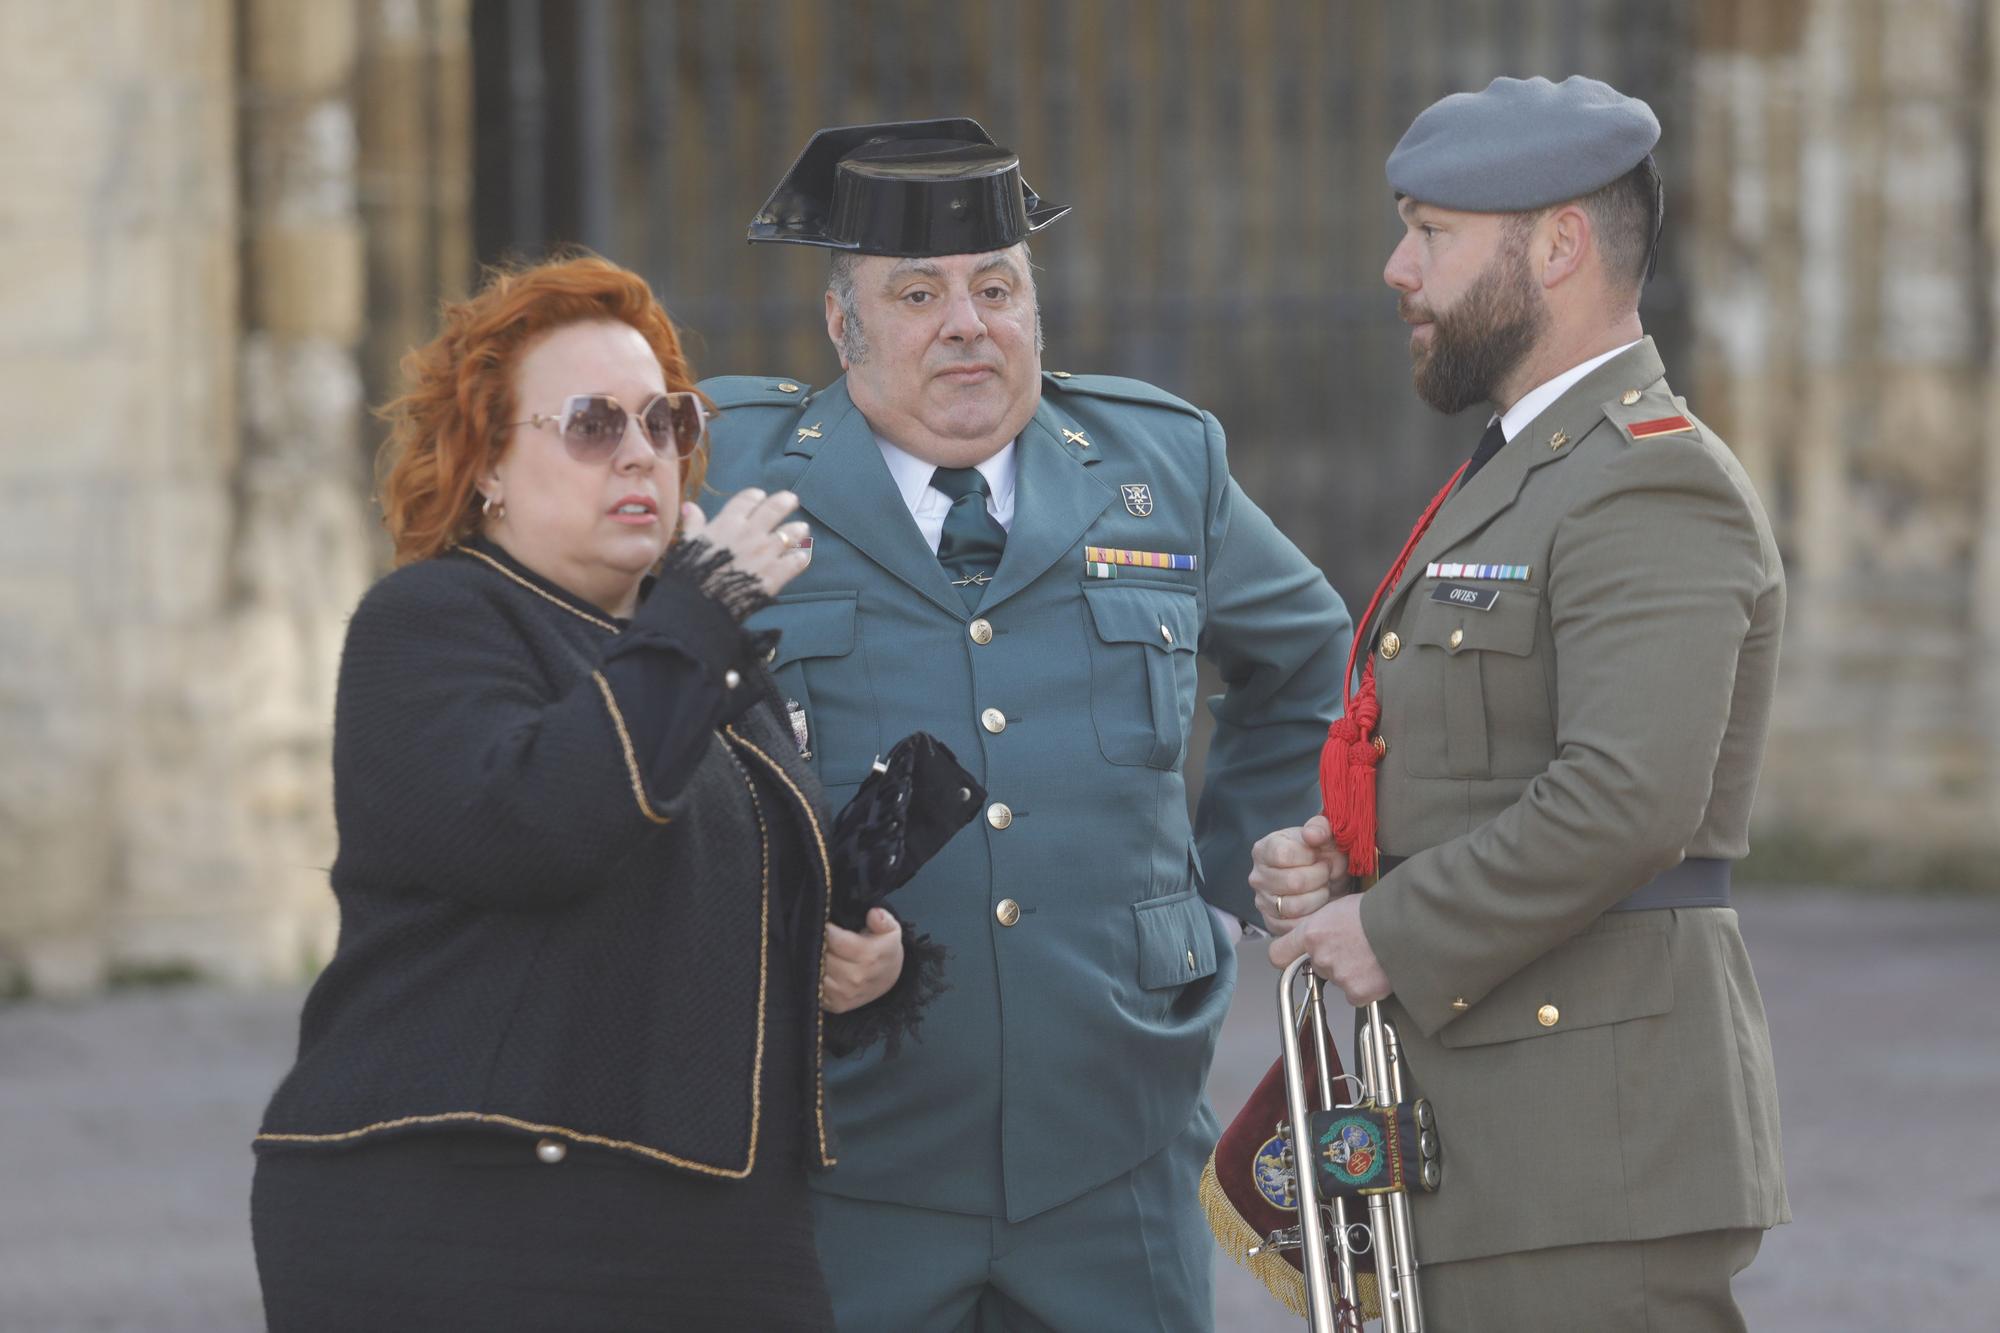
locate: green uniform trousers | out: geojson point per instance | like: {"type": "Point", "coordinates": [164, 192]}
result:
{"type": "Point", "coordinates": [1133, 1254]}
{"type": "Point", "coordinates": [1678, 1284]}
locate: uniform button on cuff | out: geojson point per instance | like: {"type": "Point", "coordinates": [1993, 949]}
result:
{"type": "Point", "coordinates": [551, 1150]}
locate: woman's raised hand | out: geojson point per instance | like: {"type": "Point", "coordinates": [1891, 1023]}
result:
{"type": "Point", "coordinates": [751, 526]}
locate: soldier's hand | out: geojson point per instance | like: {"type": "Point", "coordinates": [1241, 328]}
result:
{"type": "Point", "coordinates": [861, 965]}
{"type": "Point", "coordinates": [751, 527]}
{"type": "Point", "coordinates": [1295, 872]}
{"type": "Point", "coordinates": [1340, 950]}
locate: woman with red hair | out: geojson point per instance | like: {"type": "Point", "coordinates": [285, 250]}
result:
{"type": "Point", "coordinates": [563, 1071]}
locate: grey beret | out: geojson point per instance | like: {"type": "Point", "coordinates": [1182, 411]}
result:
{"type": "Point", "coordinates": [1522, 144]}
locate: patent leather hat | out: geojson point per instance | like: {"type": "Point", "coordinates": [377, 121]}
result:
{"type": "Point", "coordinates": [904, 188]}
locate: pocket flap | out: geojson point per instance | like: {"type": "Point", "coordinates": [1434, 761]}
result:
{"type": "Point", "coordinates": [1176, 940]}
{"type": "Point", "coordinates": [1162, 616]}
{"type": "Point", "coordinates": [1607, 976]}
{"type": "Point", "coordinates": [813, 624]}
{"type": "Point", "coordinates": [1508, 626]}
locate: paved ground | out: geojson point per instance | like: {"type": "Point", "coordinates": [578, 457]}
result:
{"type": "Point", "coordinates": [124, 1168]}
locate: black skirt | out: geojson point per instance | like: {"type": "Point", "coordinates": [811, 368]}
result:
{"type": "Point", "coordinates": [470, 1230]}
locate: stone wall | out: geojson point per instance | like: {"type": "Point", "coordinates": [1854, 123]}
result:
{"type": "Point", "coordinates": [184, 522]}
{"type": "Point", "coordinates": [1844, 305]}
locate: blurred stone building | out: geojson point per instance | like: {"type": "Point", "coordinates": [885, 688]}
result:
{"type": "Point", "coordinates": [225, 219]}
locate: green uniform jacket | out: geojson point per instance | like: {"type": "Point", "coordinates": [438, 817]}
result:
{"type": "Point", "coordinates": [1075, 1042]}
{"type": "Point", "coordinates": [1596, 1077]}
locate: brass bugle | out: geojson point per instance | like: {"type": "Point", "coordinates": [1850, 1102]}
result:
{"type": "Point", "coordinates": [1329, 1240]}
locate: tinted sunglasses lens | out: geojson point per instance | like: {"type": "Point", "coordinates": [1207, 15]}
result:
{"type": "Point", "coordinates": [674, 422]}
{"type": "Point", "coordinates": [592, 427]}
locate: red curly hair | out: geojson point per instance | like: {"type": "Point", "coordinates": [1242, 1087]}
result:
{"type": "Point", "coordinates": [450, 426]}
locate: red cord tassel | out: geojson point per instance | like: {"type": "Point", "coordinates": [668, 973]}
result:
{"type": "Point", "coordinates": [1347, 776]}
{"type": "Point", "coordinates": [1347, 761]}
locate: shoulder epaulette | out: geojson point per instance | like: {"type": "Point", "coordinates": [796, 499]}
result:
{"type": "Point", "coordinates": [727, 391]}
{"type": "Point", "coordinates": [1118, 387]}
{"type": "Point", "coordinates": [1650, 415]}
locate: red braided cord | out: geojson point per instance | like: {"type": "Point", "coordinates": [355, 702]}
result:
{"type": "Point", "coordinates": [1347, 761]}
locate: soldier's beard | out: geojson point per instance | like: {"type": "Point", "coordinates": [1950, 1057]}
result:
{"type": "Point", "coordinates": [1482, 338]}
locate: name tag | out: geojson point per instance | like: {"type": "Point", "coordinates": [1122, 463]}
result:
{"type": "Point", "coordinates": [1465, 595]}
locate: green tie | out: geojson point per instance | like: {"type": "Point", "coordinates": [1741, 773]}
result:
{"type": "Point", "coordinates": [970, 546]}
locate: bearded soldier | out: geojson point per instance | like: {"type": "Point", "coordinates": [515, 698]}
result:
{"type": "Point", "coordinates": [1567, 685]}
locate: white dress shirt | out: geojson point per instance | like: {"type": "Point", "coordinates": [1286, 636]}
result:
{"type": "Point", "coordinates": [928, 505]}
{"type": "Point", "coordinates": [1532, 403]}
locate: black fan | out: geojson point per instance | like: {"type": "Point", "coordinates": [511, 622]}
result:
{"type": "Point", "coordinates": [909, 806]}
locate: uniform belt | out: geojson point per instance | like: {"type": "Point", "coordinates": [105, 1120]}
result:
{"type": "Point", "coordinates": [1699, 881]}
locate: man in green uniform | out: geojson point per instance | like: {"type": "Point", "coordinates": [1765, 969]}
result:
{"type": "Point", "coordinates": [1024, 564]}
{"type": "Point", "coordinates": [1574, 674]}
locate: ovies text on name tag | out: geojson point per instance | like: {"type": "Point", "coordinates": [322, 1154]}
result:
{"type": "Point", "coordinates": [1465, 595]}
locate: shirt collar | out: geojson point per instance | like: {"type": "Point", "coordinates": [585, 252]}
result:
{"type": "Point", "coordinates": [913, 474]}
{"type": "Point", "coordinates": [1537, 399]}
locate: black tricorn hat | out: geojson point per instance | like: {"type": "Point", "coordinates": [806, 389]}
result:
{"type": "Point", "coordinates": [905, 188]}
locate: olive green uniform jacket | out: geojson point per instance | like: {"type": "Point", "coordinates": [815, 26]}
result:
{"type": "Point", "coordinates": [1597, 1076]}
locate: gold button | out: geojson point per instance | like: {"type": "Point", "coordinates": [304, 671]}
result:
{"type": "Point", "coordinates": [993, 720]}
{"type": "Point", "coordinates": [1629, 397]}
{"type": "Point", "coordinates": [998, 815]}
{"type": "Point", "coordinates": [1392, 643]}
{"type": "Point", "coordinates": [1457, 637]}
{"type": "Point", "coordinates": [981, 631]}
{"type": "Point", "coordinates": [1166, 634]}
{"type": "Point", "coordinates": [1547, 1015]}
{"type": "Point", "coordinates": [1007, 912]}
{"type": "Point", "coordinates": [551, 1150]}
{"type": "Point", "coordinates": [1381, 747]}
{"type": "Point", "coordinates": [786, 386]}
{"type": "Point", "coordinates": [1459, 1005]}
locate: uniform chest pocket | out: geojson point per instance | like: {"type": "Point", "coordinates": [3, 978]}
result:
{"type": "Point", "coordinates": [823, 677]}
{"type": "Point", "coordinates": [1480, 689]}
{"type": "Point", "coordinates": [1142, 670]}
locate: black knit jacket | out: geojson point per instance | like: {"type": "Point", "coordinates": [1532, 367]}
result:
{"type": "Point", "coordinates": [553, 879]}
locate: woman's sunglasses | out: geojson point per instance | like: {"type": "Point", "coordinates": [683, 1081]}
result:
{"type": "Point", "coordinates": [592, 425]}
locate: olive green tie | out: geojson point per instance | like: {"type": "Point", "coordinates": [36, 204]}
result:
{"type": "Point", "coordinates": [970, 546]}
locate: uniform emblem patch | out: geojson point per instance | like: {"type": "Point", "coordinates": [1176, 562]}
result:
{"type": "Point", "coordinates": [1138, 498]}
{"type": "Point", "coordinates": [1351, 1147]}
{"type": "Point", "coordinates": [1273, 1174]}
